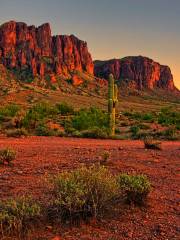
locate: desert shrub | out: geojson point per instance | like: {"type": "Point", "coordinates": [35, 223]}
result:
{"type": "Point", "coordinates": [83, 192]}
{"type": "Point", "coordinates": [65, 109]}
{"type": "Point", "coordinates": [170, 133]}
{"type": "Point", "coordinates": [8, 111]}
{"type": "Point", "coordinates": [135, 188]}
{"type": "Point", "coordinates": [149, 117]}
{"type": "Point", "coordinates": [7, 155]}
{"type": "Point", "coordinates": [15, 215]}
{"type": "Point", "coordinates": [150, 143]}
{"type": "Point", "coordinates": [37, 114]}
{"type": "Point", "coordinates": [105, 155]}
{"type": "Point", "coordinates": [44, 109]}
{"type": "Point", "coordinates": [168, 116]}
{"type": "Point", "coordinates": [18, 132]}
{"type": "Point", "coordinates": [89, 118]}
{"type": "Point", "coordinates": [117, 131]}
{"type": "Point", "coordinates": [95, 132]}
{"type": "Point", "coordinates": [134, 131]}
{"type": "Point", "coordinates": [43, 130]}
{"type": "Point", "coordinates": [31, 119]}
{"type": "Point", "coordinates": [76, 133]}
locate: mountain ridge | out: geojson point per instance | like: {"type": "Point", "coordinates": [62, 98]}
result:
{"type": "Point", "coordinates": [138, 72]}
{"type": "Point", "coordinates": [35, 56]}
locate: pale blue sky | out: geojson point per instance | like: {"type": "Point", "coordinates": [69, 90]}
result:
{"type": "Point", "coordinates": [112, 28]}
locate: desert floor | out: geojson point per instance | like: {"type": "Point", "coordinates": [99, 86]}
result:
{"type": "Point", "coordinates": [38, 157]}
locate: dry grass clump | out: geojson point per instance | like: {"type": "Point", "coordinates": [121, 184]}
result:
{"type": "Point", "coordinates": [150, 143]}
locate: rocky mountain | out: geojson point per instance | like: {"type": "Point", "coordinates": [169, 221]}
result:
{"type": "Point", "coordinates": [137, 72]}
{"type": "Point", "coordinates": [32, 52]}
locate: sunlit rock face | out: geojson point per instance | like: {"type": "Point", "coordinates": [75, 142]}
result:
{"type": "Point", "coordinates": [34, 49]}
{"type": "Point", "coordinates": [139, 72]}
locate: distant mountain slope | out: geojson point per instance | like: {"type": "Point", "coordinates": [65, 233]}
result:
{"type": "Point", "coordinates": [137, 73]}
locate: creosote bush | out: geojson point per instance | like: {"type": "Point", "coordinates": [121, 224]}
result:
{"type": "Point", "coordinates": [134, 188]}
{"type": "Point", "coordinates": [7, 155]}
{"type": "Point", "coordinates": [83, 192]}
{"type": "Point", "coordinates": [16, 214]}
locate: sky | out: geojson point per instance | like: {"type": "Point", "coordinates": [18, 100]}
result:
{"type": "Point", "coordinates": [112, 28]}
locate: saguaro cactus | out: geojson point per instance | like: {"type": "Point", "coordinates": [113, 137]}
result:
{"type": "Point", "coordinates": [112, 101]}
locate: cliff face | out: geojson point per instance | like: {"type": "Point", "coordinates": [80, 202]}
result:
{"type": "Point", "coordinates": [35, 51]}
{"type": "Point", "coordinates": [137, 72]}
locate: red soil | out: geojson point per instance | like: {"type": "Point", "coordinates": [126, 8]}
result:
{"type": "Point", "coordinates": [39, 156]}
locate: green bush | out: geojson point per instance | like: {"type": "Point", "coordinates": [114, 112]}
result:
{"type": "Point", "coordinates": [83, 192]}
{"type": "Point", "coordinates": [95, 132]}
{"type": "Point", "coordinates": [168, 116]}
{"type": "Point", "coordinates": [149, 117]}
{"type": "Point", "coordinates": [76, 133]}
{"type": "Point", "coordinates": [89, 118]}
{"type": "Point", "coordinates": [64, 109]}
{"type": "Point", "coordinates": [16, 214]}
{"type": "Point", "coordinates": [135, 188]}
{"type": "Point", "coordinates": [44, 109]}
{"type": "Point", "coordinates": [37, 114]}
{"type": "Point", "coordinates": [43, 130]}
{"type": "Point", "coordinates": [135, 131]}
{"type": "Point", "coordinates": [8, 111]}
{"type": "Point", "coordinates": [18, 132]}
{"type": "Point", "coordinates": [7, 155]}
{"type": "Point", "coordinates": [31, 119]}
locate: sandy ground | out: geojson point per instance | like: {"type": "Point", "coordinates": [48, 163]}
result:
{"type": "Point", "coordinates": [38, 157]}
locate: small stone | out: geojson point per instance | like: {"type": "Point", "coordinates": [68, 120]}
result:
{"type": "Point", "coordinates": [19, 172]}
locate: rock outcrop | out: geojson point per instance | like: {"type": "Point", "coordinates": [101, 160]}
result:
{"type": "Point", "coordinates": [34, 51]}
{"type": "Point", "coordinates": [137, 72]}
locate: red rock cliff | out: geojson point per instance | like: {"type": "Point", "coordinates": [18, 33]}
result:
{"type": "Point", "coordinates": [35, 50]}
{"type": "Point", "coordinates": [139, 72]}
